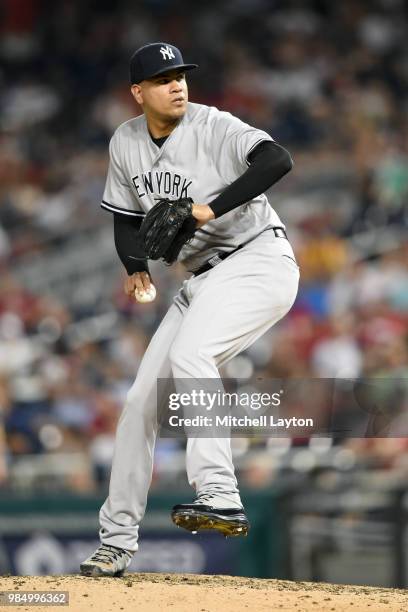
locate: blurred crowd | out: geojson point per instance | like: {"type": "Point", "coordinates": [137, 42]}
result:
{"type": "Point", "coordinates": [327, 80]}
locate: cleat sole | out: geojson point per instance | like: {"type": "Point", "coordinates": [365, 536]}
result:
{"type": "Point", "coordinates": [196, 521]}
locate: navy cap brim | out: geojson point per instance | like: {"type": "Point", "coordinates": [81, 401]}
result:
{"type": "Point", "coordinates": [170, 68]}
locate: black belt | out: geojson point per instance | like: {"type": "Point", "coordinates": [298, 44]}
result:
{"type": "Point", "coordinates": [219, 257]}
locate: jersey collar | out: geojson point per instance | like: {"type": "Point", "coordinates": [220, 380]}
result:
{"type": "Point", "coordinates": [158, 151]}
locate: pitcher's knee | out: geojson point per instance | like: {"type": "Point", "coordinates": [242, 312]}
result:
{"type": "Point", "coordinates": [133, 398]}
{"type": "Point", "coordinates": [137, 407]}
{"type": "Point", "coordinates": [289, 303]}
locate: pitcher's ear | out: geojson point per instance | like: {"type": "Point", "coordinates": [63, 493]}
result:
{"type": "Point", "coordinates": [136, 92]}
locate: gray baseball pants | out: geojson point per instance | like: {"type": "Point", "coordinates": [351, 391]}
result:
{"type": "Point", "coordinates": [214, 317]}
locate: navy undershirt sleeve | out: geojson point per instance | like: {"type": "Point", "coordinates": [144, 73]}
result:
{"type": "Point", "coordinates": [269, 162]}
{"type": "Point", "coordinates": [126, 233]}
{"type": "Point", "coordinates": [128, 244]}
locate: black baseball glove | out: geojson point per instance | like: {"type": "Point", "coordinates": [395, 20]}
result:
{"type": "Point", "coordinates": [167, 227]}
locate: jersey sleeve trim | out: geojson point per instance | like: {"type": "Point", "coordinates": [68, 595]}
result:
{"type": "Point", "coordinates": [123, 211]}
{"type": "Point", "coordinates": [254, 146]}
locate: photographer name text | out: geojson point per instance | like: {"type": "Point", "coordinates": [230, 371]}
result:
{"type": "Point", "coordinates": [243, 421]}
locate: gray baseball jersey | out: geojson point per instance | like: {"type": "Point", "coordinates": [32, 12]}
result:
{"type": "Point", "coordinates": [206, 152]}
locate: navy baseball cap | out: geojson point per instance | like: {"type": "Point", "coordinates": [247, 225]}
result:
{"type": "Point", "coordinates": [156, 58]}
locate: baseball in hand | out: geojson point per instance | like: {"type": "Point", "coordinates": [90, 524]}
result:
{"type": "Point", "coordinates": [146, 296]}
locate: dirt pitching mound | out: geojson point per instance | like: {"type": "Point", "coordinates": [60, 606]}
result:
{"type": "Point", "coordinates": [186, 593]}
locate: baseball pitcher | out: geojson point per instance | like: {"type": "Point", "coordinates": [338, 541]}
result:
{"type": "Point", "coordinates": [186, 183]}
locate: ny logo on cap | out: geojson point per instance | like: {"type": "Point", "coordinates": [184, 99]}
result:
{"type": "Point", "coordinates": [167, 52]}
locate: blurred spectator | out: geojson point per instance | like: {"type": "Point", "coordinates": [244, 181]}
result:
{"type": "Point", "coordinates": [4, 407]}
